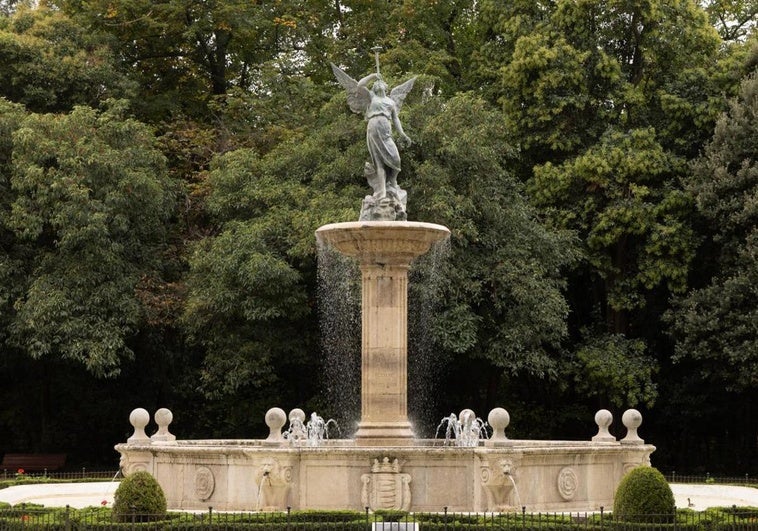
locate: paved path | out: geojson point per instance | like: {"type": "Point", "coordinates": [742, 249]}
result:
{"type": "Point", "coordinates": [76, 495]}
{"type": "Point", "coordinates": [79, 495]}
{"type": "Point", "coordinates": [700, 497]}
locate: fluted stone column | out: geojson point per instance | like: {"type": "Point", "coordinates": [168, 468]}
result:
{"type": "Point", "coordinates": [384, 354]}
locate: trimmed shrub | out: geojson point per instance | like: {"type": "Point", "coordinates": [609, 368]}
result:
{"type": "Point", "coordinates": [644, 495]}
{"type": "Point", "coordinates": [313, 515]}
{"type": "Point", "coordinates": [139, 498]}
{"type": "Point", "coordinates": [390, 515]}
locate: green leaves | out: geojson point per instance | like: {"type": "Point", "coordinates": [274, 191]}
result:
{"type": "Point", "coordinates": [544, 86]}
{"type": "Point", "coordinates": [51, 63]}
{"type": "Point", "coordinates": [89, 201]}
{"type": "Point", "coordinates": [235, 274]}
{"type": "Point", "coordinates": [563, 176]}
{"type": "Point", "coordinates": [621, 196]}
{"type": "Point", "coordinates": [616, 369]}
{"type": "Point", "coordinates": [715, 324]}
{"type": "Point", "coordinates": [504, 300]}
{"type": "Point", "coordinates": [734, 19]}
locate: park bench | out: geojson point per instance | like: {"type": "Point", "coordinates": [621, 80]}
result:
{"type": "Point", "coordinates": [32, 462]}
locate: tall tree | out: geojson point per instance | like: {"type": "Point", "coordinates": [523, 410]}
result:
{"type": "Point", "coordinates": [713, 376]}
{"type": "Point", "coordinates": [601, 97]}
{"type": "Point", "coordinates": [183, 53]}
{"type": "Point", "coordinates": [715, 323]}
{"type": "Point", "coordinates": [88, 202]}
{"type": "Point", "coordinates": [11, 262]}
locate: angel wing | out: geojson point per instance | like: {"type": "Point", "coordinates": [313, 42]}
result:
{"type": "Point", "coordinates": [399, 93]}
{"type": "Point", "coordinates": [358, 96]}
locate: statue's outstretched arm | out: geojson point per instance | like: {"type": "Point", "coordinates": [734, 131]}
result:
{"type": "Point", "coordinates": [368, 79]}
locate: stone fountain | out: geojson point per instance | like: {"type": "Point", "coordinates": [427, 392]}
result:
{"type": "Point", "coordinates": [385, 466]}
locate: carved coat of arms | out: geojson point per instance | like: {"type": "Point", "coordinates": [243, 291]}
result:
{"type": "Point", "coordinates": [386, 487]}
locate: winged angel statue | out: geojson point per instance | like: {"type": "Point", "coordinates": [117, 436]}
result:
{"type": "Point", "coordinates": [381, 112]}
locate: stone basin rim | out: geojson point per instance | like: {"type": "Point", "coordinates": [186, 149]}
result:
{"type": "Point", "coordinates": [377, 225]}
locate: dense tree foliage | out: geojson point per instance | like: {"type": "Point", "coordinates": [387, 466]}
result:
{"type": "Point", "coordinates": [716, 322]}
{"type": "Point", "coordinates": [89, 198]}
{"type": "Point", "coordinates": [609, 107]}
{"type": "Point", "coordinates": [164, 166]}
{"type": "Point", "coordinates": [51, 63]}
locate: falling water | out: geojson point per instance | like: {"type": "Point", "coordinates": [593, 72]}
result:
{"type": "Point", "coordinates": [339, 294]}
{"type": "Point", "coordinates": [339, 297]}
{"type": "Point", "coordinates": [515, 490]}
{"type": "Point", "coordinates": [109, 488]}
{"type": "Point", "coordinates": [260, 489]}
{"type": "Point", "coordinates": [426, 281]}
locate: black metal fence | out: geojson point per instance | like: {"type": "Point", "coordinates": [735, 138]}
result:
{"type": "Point", "coordinates": [82, 473]}
{"type": "Point", "coordinates": [747, 479]}
{"type": "Point", "coordinates": [66, 519]}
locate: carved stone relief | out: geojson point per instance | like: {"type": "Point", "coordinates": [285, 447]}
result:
{"type": "Point", "coordinates": [133, 463]}
{"type": "Point", "coordinates": [205, 483]}
{"type": "Point", "coordinates": [568, 482]}
{"type": "Point", "coordinates": [498, 482]}
{"type": "Point", "coordinates": [386, 487]}
{"type": "Point", "coordinates": [274, 481]}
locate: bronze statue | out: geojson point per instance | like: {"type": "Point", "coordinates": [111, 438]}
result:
{"type": "Point", "coordinates": [381, 113]}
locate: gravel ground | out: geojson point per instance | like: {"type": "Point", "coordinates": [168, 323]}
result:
{"type": "Point", "coordinates": [700, 497]}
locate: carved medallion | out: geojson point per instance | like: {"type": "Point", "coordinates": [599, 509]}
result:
{"type": "Point", "coordinates": [567, 483]}
{"type": "Point", "coordinates": [138, 467]}
{"type": "Point", "coordinates": [205, 483]}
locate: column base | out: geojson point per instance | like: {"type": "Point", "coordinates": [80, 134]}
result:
{"type": "Point", "coordinates": [385, 433]}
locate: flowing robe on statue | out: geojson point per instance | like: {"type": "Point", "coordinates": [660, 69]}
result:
{"type": "Point", "coordinates": [381, 145]}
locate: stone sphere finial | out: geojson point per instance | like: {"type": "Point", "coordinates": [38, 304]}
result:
{"type": "Point", "coordinates": [499, 420]}
{"type": "Point", "coordinates": [139, 418]}
{"type": "Point", "coordinates": [163, 417]}
{"type": "Point", "coordinates": [297, 430]}
{"type": "Point", "coordinates": [603, 419]}
{"type": "Point", "coordinates": [467, 415]}
{"type": "Point", "coordinates": [275, 420]}
{"type": "Point", "coordinates": [632, 420]}
{"type": "Point", "coordinates": [297, 414]}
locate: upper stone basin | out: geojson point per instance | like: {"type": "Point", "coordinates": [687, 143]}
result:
{"type": "Point", "coordinates": [382, 242]}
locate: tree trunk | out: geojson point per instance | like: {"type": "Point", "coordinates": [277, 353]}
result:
{"type": "Point", "coordinates": [217, 62]}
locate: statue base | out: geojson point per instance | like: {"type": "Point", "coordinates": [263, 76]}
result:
{"type": "Point", "coordinates": [389, 208]}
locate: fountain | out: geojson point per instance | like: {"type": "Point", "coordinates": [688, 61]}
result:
{"type": "Point", "coordinates": [385, 466]}
{"type": "Point", "coordinates": [465, 430]}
